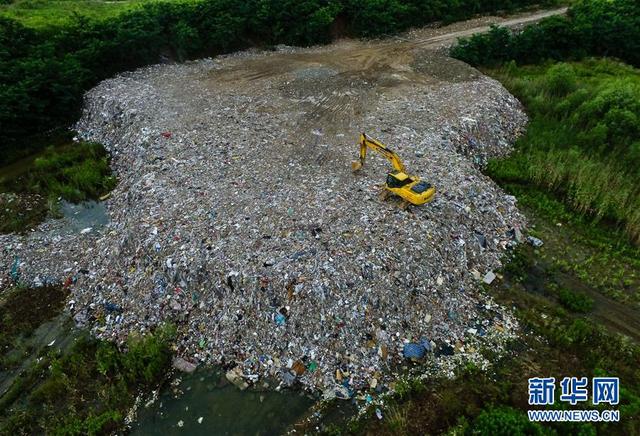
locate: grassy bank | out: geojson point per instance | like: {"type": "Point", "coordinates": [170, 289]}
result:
{"type": "Point", "coordinates": [73, 171]}
{"type": "Point", "coordinates": [569, 329]}
{"type": "Point", "coordinates": [583, 140]}
{"type": "Point", "coordinates": [85, 389]}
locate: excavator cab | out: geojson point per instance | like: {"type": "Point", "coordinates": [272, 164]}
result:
{"type": "Point", "coordinates": [408, 187]}
{"type": "Point", "coordinates": [398, 180]}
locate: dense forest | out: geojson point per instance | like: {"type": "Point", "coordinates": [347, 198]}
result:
{"type": "Point", "coordinates": [45, 70]}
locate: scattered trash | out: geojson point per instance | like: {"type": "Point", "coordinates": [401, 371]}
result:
{"type": "Point", "coordinates": [235, 376]}
{"type": "Point", "coordinates": [416, 351]}
{"type": "Point", "coordinates": [181, 423]}
{"type": "Point", "coordinates": [489, 277]}
{"type": "Point", "coordinates": [343, 393]}
{"type": "Point", "coordinates": [232, 219]}
{"type": "Point", "coordinates": [111, 307]}
{"type": "Point", "coordinates": [378, 413]}
{"type": "Point", "coordinates": [288, 378]}
{"type": "Point", "coordinates": [476, 274]}
{"type": "Point", "coordinates": [482, 240]}
{"type": "Point", "coordinates": [298, 368]}
{"type": "Point", "coordinates": [184, 365]}
{"type": "Point", "coordinates": [15, 271]}
{"type": "Point", "coordinates": [200, 420]}
{"type": "Point", "coordinates": [534, 241]}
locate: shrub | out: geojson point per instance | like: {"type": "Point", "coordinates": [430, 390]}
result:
{"type": "Point", "coordinates": [88, 389]}
{"type": "Point", "coordinates": [505, 421]}
{"type": "Point", "coordinates": [76, 172]}
{"type": "Point", "coordinates": [574, 301]}
{"type": "Point", "coordinates": [560, 80]}
{"type": "Point", "coordinates": [582, 141]}
{"type": "Point", "coordinates": [592, 27]}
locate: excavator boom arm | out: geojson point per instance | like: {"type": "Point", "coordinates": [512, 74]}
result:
{"type": "Point", "coordinates": [366, 142]}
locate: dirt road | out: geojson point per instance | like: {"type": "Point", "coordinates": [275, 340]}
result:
{"type": "Point", "coordinates": [450, 38]}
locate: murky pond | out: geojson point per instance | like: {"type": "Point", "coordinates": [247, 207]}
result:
{"type": "Point", "coordinates": [209, 405]}
{"type": "Point", "coordinates": [86, 215]}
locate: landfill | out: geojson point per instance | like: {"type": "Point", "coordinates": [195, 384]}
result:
{"type": "Point", "coordinates": [237, 217]}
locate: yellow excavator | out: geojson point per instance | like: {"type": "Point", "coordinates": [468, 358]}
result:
{"type": "Point", "coordinates": [411, 189]}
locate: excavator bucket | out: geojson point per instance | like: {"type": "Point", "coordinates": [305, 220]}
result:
{"type": "Point", "coordinates": [356, 165]}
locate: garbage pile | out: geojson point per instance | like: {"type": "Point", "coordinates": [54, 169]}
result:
{"type": "Point", "coordinates": [237, 216]}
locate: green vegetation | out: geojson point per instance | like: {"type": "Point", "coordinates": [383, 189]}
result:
{"type": "Point", "coordinates": [583, 139]}
{"type": "Point", "coordinates": [504, 421]}
{"type": "Point", "coordinates": [52, 13]}
{"type": "Point", "coordinates": [575, 173]}
{"type": "Point", "coordinates": [86, 390]}
{"type": "Point", "coordinates": [47, 68]}
{"type": "Point", "coordinates": [73, 171]}
{"type": "Point", "coordinates": [22, 311]}
{"type": "Point", "coordinates": [575, 301]}
{"type": "Point", "coordinates": [579, 250]}
{"type": "Point", "coordinates": [591, 28]}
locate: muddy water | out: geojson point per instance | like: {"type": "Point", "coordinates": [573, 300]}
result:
{"type": "Point", "coordinates": [88, 214]}
{"type": "Point", "coordinates": [55, 334]}
{"type": "Point", "coordinates": [224, 409]}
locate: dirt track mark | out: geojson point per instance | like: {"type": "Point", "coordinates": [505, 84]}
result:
{"type": "Point", "coordinates": [337, 84]}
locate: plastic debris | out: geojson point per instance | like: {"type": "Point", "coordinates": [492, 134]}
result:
{"type": "Point", "coordinates": [280, 319]}
{"type": "Point", "coordinates": [236, 377]}
{"type": "Point", "coordinates": [414, 351]}
{"type": "Point", "coordinates": [184, 365]}
{"type": "Point", "coordinates": [236, 222]}
{"type": "Point", "coordinates": [489, 277]}
{"type": "Point", "coordinates": [535, 241]}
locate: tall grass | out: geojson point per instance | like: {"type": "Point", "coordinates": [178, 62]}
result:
{"type": "Point", "coordinates": [583, 140]}
{"type": "Point", "coordinates": [74, 172]}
